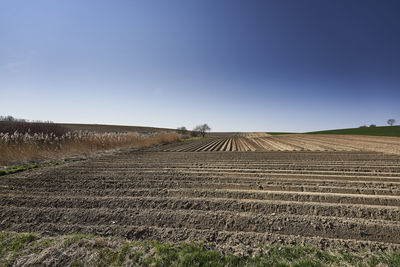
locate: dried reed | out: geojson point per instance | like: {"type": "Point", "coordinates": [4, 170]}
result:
{"type": "Point", "coordinates": [27, 147]}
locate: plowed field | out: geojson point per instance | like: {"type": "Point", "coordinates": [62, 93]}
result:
{"type": "Point", "coordinates": [293, 142]}
{"type": "Point", "coordinates": [347, 198]}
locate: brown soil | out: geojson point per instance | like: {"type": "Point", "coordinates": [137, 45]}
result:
{"type": "Point", "coordinates": [238, 199]}
{"type": "Point", "coordinates": [292, 142]}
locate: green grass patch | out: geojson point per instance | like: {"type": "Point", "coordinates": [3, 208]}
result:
{"type": "Point", "coordinates": [377, 131]}
{"type": "Point", "coordinates": [89, 250]}
{"type": "Point", "coordinates": [27, 166]}
{"type": "Point", "coordinates": [18, 168]}
{"type": "Point", "coordinates": [12, 244]}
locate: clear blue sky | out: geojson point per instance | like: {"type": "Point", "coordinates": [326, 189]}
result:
{"type": "Point", "coordinates": [282, 65]}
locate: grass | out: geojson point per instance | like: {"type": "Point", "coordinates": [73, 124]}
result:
{"type": "Point", "coordinates": [377, 131]}
{"type": "Point", "coordinates": [27, 166]}
{"type": "Point", "coordinates": [12, 244]}
{"type": "Point", "coordinates": [18, 168]}
{"type": "Point", "coordinates": [89, 250]}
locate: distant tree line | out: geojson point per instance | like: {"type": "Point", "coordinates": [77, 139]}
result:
{"type": "Point", "coordinates": [199, 130]}
{"type": "Point", "coordinates": [391, 122]}
{"type": "Point", "coordinates": [12, 119]}
{"type": "Point", "coordinates": [10, 125]}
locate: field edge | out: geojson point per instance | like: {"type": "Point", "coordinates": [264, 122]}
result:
{"type": "Point", "coordinates": [89, 250]}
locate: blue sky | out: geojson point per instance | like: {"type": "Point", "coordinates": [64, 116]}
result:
{"type": "Point", "coordinates": [283, 65]}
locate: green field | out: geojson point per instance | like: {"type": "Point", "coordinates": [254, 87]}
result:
{"type": "Point", "coordinates": [378, 131]}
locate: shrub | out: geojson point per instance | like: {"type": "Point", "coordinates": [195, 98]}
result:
{"type": "Point", "coordinates": [182, 130]}
{"type": "Point", "coordinates": [194, 133]}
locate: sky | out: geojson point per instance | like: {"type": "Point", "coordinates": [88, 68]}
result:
{"type": "Point", "coordinates": [260, 65]}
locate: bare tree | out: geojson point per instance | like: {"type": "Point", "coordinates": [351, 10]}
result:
{"type": "Point", "coordinates": [202, 129]}
{"type": "Point", "coordinates": [391, 121]}
{"type": "Point", "coordinates": [182, 130]}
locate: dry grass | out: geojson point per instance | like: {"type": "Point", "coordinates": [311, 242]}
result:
{"type": "Point", "coordinates": [17, 148]}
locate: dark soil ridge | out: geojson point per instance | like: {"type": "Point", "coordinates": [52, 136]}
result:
{"type": "Point", "coordinates": [322, 226]}
{"type": "Point", "coordinates": [245, 185]}
{"type": "Point", "coordinates": [388, 213]}
{"type": "Point", "coordinates": [241, 194]}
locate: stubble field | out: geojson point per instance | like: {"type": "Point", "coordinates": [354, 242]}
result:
{"type": "Point", "coordinates": [327, 191]}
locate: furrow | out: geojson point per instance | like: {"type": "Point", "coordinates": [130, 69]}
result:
{"type": "Point", "coordinates": [388, 213]}
{"type": "Point", "coordinates": [309, 226]}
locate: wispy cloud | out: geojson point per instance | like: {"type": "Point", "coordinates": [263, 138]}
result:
{"type": "Point", "coordinates": [18, 64]}
{"type": "Point", "coordinates": [13, 66]}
